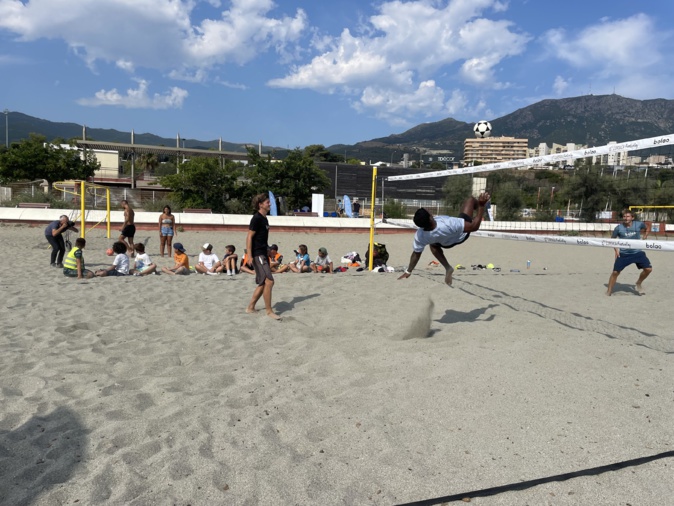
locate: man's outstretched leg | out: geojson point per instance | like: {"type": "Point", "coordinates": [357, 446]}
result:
{"type": "Point", "coordinates": [440, 255]}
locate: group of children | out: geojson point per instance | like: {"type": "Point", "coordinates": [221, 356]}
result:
{"type": "Point", "coordinates": [208, 263]}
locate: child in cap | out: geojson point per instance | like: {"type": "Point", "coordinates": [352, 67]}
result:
{"type": "Point", "coordinates": [182, 263]}
{"type": "Point", "coordinates": [208, 261]}
{"type": "Point", "coordinates": [322, 262]}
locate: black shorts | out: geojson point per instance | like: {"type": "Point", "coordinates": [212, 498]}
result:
{"type": "Point", "coordinates": [262, 269]}
{"type": "Point", "coordinates": [129, 231]}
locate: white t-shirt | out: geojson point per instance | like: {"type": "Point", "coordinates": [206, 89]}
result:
{"type": "Point", "coordinates": [322, 260]}
{"type": "Point", "coordinates": [208, 260]}
{"type": "Point", "coordinates": [121, 263]}
{"type": "Point", "coordinates": [142, 261]}
{"type": "Point", "coordinates": [448, 231]}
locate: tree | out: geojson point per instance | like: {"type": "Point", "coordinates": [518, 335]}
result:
{"type": "Point", "coordinates": [589, 189]}
{"type": "Point", "coordinates": [33, 158]}
{"type": "Point", "coordinates": [148, 162]}
{"type": "Point", "coordinates": [457, 189]}
{"type": "Point", "coordinates": [203, 183]}
{"type": "Point", "coordinates": [509, 204]}
{"type": "Point", "coordinates": [319, 153]}
{"type": "Point", "coordinates": [295, 178]}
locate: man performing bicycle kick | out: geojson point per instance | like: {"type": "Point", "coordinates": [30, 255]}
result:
{"type": "Point", "coordinates": [444, 232]}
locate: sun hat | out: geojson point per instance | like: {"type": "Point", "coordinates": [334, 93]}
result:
{"type": "Point", "coordinates": [323, 250]}
{"type": "Point", "coordinates": [179, 247]}
{"type": "Point", "coordinates": [207, 246]}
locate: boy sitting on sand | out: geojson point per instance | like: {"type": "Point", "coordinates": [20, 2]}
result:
{"type": "Point", "coordinates": [120, 265]}
{"type": "Point", "coordinates": [208, 261]}
{"type": "Point", "coordinates": [228, 262]}
{"type": "Point", "coordinates": [322, 262]}
{"type": "Point", "coordinates": [182, 263]}
{"type": "Point", "coordinates": [73, 264]}
{"type": "Point", "coordinates": [142, 263]}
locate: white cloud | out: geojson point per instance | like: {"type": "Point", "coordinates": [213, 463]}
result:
{"type": "Point", "coordinates": [396, 107]}
{"type": "Point", "coordinates": [611, 47]}
{"type": "Point", "coordinates": [560, 85]}
{"type": "Point", "coordinates": [157, 34]}
{"type": "Point", "coordinates": [402, 47]}
{"type": "Point", "coordinates": [138, 98]}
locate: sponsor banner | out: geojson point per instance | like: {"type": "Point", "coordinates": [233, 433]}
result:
{"type": "Point", "coordinates": [663, 140]}
{"type": "Point", "coordinates": [580, 241]}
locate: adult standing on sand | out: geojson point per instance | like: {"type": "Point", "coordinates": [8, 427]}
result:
{"type": "Point", "coordinates": [128, 228]}
{"type": "Point", "coordinates": [54, 235]}
{"type": "Point", "coordinates": [256, 244]}
{"type": "Point", "coordinates": [167, 230]}
{"type": "Point", "coordinates": [630, 229]}
{"type": "Point", "coordinates": [440, 232]}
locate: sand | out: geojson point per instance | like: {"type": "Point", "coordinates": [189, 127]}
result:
{"type": "Point", "coordinates": [371, 390]}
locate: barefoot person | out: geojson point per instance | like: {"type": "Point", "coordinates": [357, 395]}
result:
{"type": "Point", "coordinates": [256, 244]}
{"type": "Point", "coordinates": [128, 229]}
{"type": "Point", "coordinates": [630, 229]}
{"type": "Point", "coordinates": [440, 232]}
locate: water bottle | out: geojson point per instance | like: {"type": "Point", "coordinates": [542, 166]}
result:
{"type": "Point", "coordinates": [528, 264]}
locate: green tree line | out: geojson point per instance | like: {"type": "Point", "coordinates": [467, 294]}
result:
{"type": "Point", "coordinates": [586, 191]}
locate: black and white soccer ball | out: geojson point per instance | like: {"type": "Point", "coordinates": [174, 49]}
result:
{"type": "Point", "coordinates": [482, 129]}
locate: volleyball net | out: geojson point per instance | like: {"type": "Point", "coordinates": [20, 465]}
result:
{"type": "Point", "coordinates": [579, 203]}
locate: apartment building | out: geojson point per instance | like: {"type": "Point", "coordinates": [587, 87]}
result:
{"type": "Point", "coordinates": [494, 150]}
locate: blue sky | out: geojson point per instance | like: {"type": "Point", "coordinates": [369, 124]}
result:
{"type": "Point", "coordinates": [295, 72]}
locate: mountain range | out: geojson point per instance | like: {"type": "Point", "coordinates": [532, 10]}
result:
{"type": "Point", "coordinates": [589, 120]}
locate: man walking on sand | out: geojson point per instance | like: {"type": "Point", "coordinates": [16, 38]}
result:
{"type": "Point", "coordinates": [630, 229]}
{"type": "Point", "coordinates": [258, 258]}
{"type": "Point", "coordinates": [440, 232]}
{"type": "Point", "coordinates": [128, 228]}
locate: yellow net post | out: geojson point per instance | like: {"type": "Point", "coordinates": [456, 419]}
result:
{"type": "Point", "coordinates": [82, 205]}
{"type": "Point", "coordinates": [374, 193]}
{"type": "Point", "coordinates": [107, 210]}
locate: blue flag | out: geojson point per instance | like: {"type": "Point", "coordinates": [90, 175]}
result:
{"type": "Point", "coordinates": [272, 200]}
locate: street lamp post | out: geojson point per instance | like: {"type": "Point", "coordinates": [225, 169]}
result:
{"type": "Point", "coordinates": [6, 111]}
{"type": "Point", "coordinates": [394, 152]}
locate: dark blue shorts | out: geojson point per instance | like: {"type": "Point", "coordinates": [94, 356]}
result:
{"type": "Point", "coordinates": [639, 258]}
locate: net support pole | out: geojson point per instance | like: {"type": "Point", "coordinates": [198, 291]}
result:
{"type": "Point", "coordinates": [82, 205]}
{"type": "Point", "coordinates": [374, 193]}
{"type": "Point", "coordinates": [107, 209]}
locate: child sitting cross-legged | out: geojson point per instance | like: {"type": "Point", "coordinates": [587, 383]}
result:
{"type": "Point", "coordinates": [120, 265]}
{"type": "Point", "coordinates": [142, 263]}
{"type": "Point", "coordinates": [322, 262]}
{"type": "Point", "coordinates": [208, 261]}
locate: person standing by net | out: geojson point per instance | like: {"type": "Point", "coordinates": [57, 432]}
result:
{"type": "Point", "coordinates": [630, 229]}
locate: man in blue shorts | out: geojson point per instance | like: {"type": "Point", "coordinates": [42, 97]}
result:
{"type": "Point", "coordinates": [630, 229]}
{"type": "Point", "coordinates": [440, 232]}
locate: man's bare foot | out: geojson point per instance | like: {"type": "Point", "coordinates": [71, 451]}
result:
{"type": "Point", "coordinates": [640, 289]}
{"type": "Point", "coordinates": [251, 310]}
{"type": "Point", "coordinates": [274, 316]}
{"type": "Point", "coordinates": [448, 275]}
{"type": "Point", "coordinates": [608, 294]}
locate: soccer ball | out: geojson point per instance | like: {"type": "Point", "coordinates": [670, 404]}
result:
{"type": "Point", "coordinates": [109, 252]}
{"type": "Point", "coordinates": [482, 129]}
